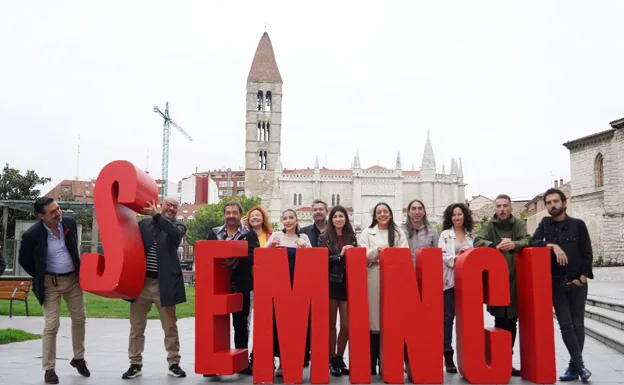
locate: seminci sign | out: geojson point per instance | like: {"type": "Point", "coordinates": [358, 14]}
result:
{"type": "Point", "coordinates": [411, 301]}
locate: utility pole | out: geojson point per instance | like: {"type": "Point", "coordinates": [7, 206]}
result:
{"type": "Point", "coordinates": [165, 151]}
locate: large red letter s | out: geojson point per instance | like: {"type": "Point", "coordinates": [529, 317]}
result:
{"type": "Point", "coordinates": [412, 315]}
{"type": "Point", "coordinates": [484, 356]}
{"type": "Point", "coordinates": [213, 305]}
{"type": "Point", "coordinates": [121, 191]}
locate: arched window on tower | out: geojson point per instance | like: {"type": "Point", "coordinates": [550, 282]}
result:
{"type": "Point", "coordinates": [259, 132]}
{"type": "Point", "coordinates": [299, 199]}
{"type": "Point", "coordinates": [333, 199]}
{"type": "Point", "coordinates": [260, 100]}
{"type": "Point", "coordinates": [337, 199]}
{"type": "Point", "coordinates": [294, 199]}
{"type": "Point", "coordinates": [266, 133]}
{"type": "Point", "coordinates": [263, 132]}
{"type": "Point", "coordinates": [262, 160]}
{"type": "Point", "coordinates": [599, 171]}
{"type": "Point", "coordinates": [268, 101]}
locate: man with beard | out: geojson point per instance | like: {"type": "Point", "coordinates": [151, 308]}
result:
{"type": "Point", "coordinates": [314, 231]}
{"type": "Point", "coordinates": [242, 283]}
{"type": "Point", "coordinates": [507, 234]}
{"type": "Point", "coordinates": [49, 253]}
{"type": "Point", "coordinates": [571, 265]}
{"type": "Point", "coordinates": [163, 285]}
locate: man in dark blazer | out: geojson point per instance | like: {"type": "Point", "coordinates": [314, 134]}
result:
{"type": "Point", "coordinates": [242, 283]}
{"type": "Point", "coordinates": [163, 285]}
{"type": "Point", "coordinates": [49, 253]}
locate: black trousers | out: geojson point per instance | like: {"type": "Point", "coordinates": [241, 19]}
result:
{"type": "Point", "coordinates": [569, 304]}
{"type": "Point", "coordinates": [509, 324]}
{"type": "Point", "coordinates": [449, 317]}
{"type": "Point", "coordinates": [240, 322]}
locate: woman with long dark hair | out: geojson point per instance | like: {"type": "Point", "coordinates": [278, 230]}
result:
{"type": "Point", "coordinates": [456, 237]}
{"type": "Point", "coordinates": [420, 233]}
{"type": "Point", "coordinates": [382, 233]}
{"type": "Point", "coordinates": [338, 237]}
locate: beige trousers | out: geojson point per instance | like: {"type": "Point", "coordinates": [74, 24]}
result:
{"type": "Point", "coordinates": [139, 309]}
{"type": "Point", "coordinates": [67, 287]}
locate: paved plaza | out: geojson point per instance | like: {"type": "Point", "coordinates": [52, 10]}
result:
{"type": "Point", "coordinates": [107, 343]}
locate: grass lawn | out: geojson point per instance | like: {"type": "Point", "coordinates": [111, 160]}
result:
{"type": "Point", "coordinates": [99, 307]}
{"type": "Point", "coordinates": [15, 335]}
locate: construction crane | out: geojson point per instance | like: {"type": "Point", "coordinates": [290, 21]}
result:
{"type": "Point", "coordinates": [165, 150]}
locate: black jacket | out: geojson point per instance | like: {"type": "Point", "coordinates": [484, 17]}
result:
{"type": "Point", "coordinates": [336, 261]}
{"type": "Point", "coordinates": [170, 277]}
{"type": "Point", "coordinates": [572, 236]}
{"type": "Point", "coordinates": [312, 232]}
{"type": "Point", "coordinates": [242, 281]}
{"type": "Point", "coordinates": [34, 249]}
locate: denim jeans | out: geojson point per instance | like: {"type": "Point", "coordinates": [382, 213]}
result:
{"type": "Point", "coordinates": [449, 317]}
{"type": "Point", "coordinates": [569, 304]}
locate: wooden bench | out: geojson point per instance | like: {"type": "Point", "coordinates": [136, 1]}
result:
{"type": "Point", "coordinates": [15, 291]}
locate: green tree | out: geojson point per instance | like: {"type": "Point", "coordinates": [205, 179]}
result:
{"type": "Point", "coordinates": [15, 186]}
{"type": "Point", "coordinates": [211, 216]}
{"type": "Point", "coordinates": [83, 219]}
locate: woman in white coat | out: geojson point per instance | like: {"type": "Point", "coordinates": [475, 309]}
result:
{"type": "Point", "coordinates": [382, 233]}
{"type": "Point", "coordinates": [456, 237]}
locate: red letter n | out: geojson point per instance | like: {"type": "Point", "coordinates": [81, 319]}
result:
{"type": "Point", "coordinates": [536, 324]}
{"type": "Point", "coordinates": [484, 356]}
{"type": "Point", "coordinates": [272, 289]}
{"type": "Point", "coordinates": [412, 315]}
{"type": "Point", "coordinates": [214, 302]}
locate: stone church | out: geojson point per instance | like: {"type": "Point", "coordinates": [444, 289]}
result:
{"type": "Point", "coordinates": [597, 179]}
{"type": "Point", "coordinates": [356, 188]}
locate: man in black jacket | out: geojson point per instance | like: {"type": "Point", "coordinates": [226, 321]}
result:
{"type": "Point", "coordinates": [49, 253]}
{"type": "Point", "coordinates": [242, 283]}
{"type": "Point", "coordinates": [163, 286]}
{"type": "Point", "coordinates": [571, 266]}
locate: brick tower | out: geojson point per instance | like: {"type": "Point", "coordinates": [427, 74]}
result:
{"type": "Point", "coordinates": [264, 122]}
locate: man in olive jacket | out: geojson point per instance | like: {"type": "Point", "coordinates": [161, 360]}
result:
{"type": "Point", "coordinates": [507, 234]}
{"type": "Point", "coordinates": [163, 285]}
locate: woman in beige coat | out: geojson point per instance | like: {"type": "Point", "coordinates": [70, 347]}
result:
{"type": "Point", "coordinates": [383, 232]}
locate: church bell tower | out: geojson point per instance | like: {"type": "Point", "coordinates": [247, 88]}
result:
{"type": "Point", "coordinates": [263, 123]}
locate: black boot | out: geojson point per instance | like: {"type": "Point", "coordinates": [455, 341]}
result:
{"type": "Point", "coordinates": [334, 367]}
{"type": "Point", "coordinates": [343, 367]}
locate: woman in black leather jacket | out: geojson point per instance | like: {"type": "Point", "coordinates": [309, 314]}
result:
{"type": "Point", "coordinates": [338, 237]}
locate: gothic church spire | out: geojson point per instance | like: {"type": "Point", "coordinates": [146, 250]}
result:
{"type": "Point", "coordinates": [428, 159]}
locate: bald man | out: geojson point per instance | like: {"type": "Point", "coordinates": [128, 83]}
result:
{"type": "Point", "coordinates": [163, 285]}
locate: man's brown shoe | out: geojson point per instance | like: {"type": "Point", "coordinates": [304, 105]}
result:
{"type": "Point", "coordinates": [81, 367]}
{"type": "Point", "coordinates": [50, 377]}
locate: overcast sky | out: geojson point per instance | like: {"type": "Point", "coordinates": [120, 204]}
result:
{"type": "Point", "coordinates": [500, 84]}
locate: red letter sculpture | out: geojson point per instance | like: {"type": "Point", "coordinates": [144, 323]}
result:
{"type": "Point", "coordinates": [213, 305]}
{"type": "Point", "coordinates": [484, 356]}
{"type": "Point", "coordinates": [536, 324]}
{"type": "Point", "coordinates": [412, 315]}
{"type": "Point", "coordinates": [357, 298]}
{"type": "Point", "coordinates": [292, 308]}
{"type": "Point", "coordinates": [121, 191]}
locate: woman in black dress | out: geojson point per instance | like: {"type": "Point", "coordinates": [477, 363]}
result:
{"type": "Point", "coordinates": [338, 237]}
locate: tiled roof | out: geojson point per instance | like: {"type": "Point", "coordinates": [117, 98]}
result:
{"type": "Point", "coordinates": [264, 67]}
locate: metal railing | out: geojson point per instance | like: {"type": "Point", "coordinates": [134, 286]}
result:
{"type": "Point", "coordinates": [10, 252]}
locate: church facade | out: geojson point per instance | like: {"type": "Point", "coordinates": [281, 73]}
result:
{"type": "Point", "coordinates": [597, 179]}
{"type": "Point", "coordinates": [356, 188]}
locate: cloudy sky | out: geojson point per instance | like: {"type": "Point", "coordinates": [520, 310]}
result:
{"type": "Point", "coordinates": [501, 84]}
